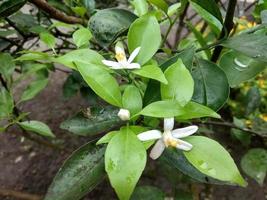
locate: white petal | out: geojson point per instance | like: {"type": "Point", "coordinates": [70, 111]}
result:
{"type": "Point", "coordinates": [157, 150]}
{"type": "Point", "coordinates": [132, 66]}
{"type": "Point", "coordinates": [149, 135]}
{"type": "Point", "coordinates": [184, 132]}
{"type": "Point", "coordinates": [124, 114]}
{"type": "Point", "coordinates": [112, 64]}
{"type": "Point", "coordinates": [184, 145]}
{"type": "Point", "coordinates": [168, 124]}
{"type": "Point", "coordinates": [134, 54]}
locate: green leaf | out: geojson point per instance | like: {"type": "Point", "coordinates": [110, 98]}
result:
{"type": "Point", "coordinates": [106, 138]}
{"type": "Point", "coordinates": [254, 164]}
{"type": "Point", "coordinates": [142, 31]}
{"type": "Point", "coordinates": [180, 85]}
{"type": "Point", "coordinates": [33, 55]}
{"type": "Point", "coordinates": [161, 4]}
{"type": "Point", "coordinates": [210, 12]}
{"type": "Point", "coordinates": [6, 103]}
{"type": "Point", "coordinates": [239, 68]}
{"type": "Point", "coordinates": [140, 6]}
{"type": "Point", "coordinates": [216, 163]}
{"type": "Point", "coordinates": [132, 100]}
{"type": "Point", "coordinates": [152, 92]}
{"type": "Point", "coordinates": [86, 56]}
{"type": "Point", "coordinates": [106, 25]}
{"type": "Point", "coordinates": [251, 45]}
{"type": "Point", "coordinates": [48, 39]}
{"type": "Point", "coordinates": [97, 121]}
{"type": "Point", "coordinates": [211, 85]}
{"type": "Point", "coordinates": [70, 87]}
{"type": "Point", "coordinates": [151, 71]}
{"type": "Point", "coordinates": [125, 160]}
{"type": "Point", "coordinates": [252, 100]}
{"type": "Point", "coordinates": [37, 127]}
{"type": "Point", "coordinates": [148, 193]}
{"type": "Point", "coordinates": [164, 109]}
{"type": "Point", "coordinates": [79, 175]}
{"type": "Point", "coordinates": [103, 84]}
{"type": "Point", "coordinates": [81, 37]}
{"type": "Point", "coordinates": [33, 89]}
{"type": "Point", "coordinates": [195, 110]}
{"type": "Point", "coordinates": [8, 7]}
{"type": "Point", "coordinates": [7, 65]}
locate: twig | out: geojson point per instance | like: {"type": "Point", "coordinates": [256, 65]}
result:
{"type": "Point", "coordinates": [55, 13]}
{"type": "Point", "coordinates": [227, 27]}
{"type": "Point", "coordinates": [19, 195]}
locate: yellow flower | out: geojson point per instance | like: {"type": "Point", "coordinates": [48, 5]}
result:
{"type": "Point", "coordinates": [263, 117]}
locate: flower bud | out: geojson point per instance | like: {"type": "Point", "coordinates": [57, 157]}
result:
{"type": "Point", "coordinates": [124, 114]}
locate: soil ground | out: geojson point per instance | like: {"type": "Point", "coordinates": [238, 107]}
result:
{"type": "Point", "coordinates": [29, 167]}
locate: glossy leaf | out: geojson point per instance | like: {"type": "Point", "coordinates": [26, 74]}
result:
{"type": "Point", "coordinates": [125, 160]}
{"type": "Point", "coordinates": [81, 37]}
{"type": "Point", "coordinates": [97, 121]}
{"type": "Point", "coordinates": [152, 92]}
{"type": "Point", "coordinates": [103, 84]}
{"type": "Point", "coordinates": [161, 4]}
{"type": "Point", "coordinates": [148, 193]}
{"type": "Point", "coordinates": [217, 163]}
{"type": "Point", "coordinates": [196, 110]}
{"type": "Point", "coordinates": [251, 45]}
{"type": "Point", "coordinates": [132, 100]}
{"type": "Point", "coordinates": [8, 7]}
{"type": "Point", "coordinates": [37, 127]}
{"type": "Point", "coordinates": [152, 72]}
{"type": "Point", "coordinates": [106, 25]}
{"type": "Point", "coordinates": [180, 85]}
{"type": "Point", "coordinates": [254, 164]}
{"type": "Point", "coordinates": [211, 85]}
{"type": "Point", "coordinates": [142, 31]}
{"type": "Point", "coordinates": [33, 89]}
{"type": "Point", "coordinates": [164, 109]}
{"type": "Point", "coordinates": [80, 174]}
{"type": "Point", "coordinates": [6, 103]}
{"type": "Point", "coordinates": [239, 68]}
{"type": "Point", "coordinates": [252, 100]}
{"type": "Point", "coordinates": [86, 56]}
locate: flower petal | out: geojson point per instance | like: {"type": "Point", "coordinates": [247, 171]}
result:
{"type": "Point", "coordinates": [184, 132]}
{"type": "Point", "coordinates": [184, 145]}
{"type": "Point", "coordinates": [132, 66]}
{"type": "Point", "coordinates": [120, 53]}
{"type": "Point", "coordinates": [134, 54]}
{"type": "Point", "coordinates": [149, 135]}
{"type": "Point", "coordinates": [112, 64]}
{"type": "Point", "coordinates": [168, 124]}
{"type": "Point", "coordinates": [157, 150]}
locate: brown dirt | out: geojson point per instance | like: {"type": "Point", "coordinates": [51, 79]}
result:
{"type": "Point", "coordinates": [29, 167]}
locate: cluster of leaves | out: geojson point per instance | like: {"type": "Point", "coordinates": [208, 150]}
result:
{"type": "Point", "coordinates": [180, 80]}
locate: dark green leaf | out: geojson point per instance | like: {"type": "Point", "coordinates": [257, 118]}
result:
{"type": "Point", "coordinates": [97, 121]}
{"type": "Point", "coordinates": [211, 85]}
{"type": "Point", "coordinates": [252, 100]}
{"type": "Point", "coordinates": [6, 103]}
{"type": "Point", "coordinates": [106, 25]}
{"type": "Point", "coordinates": [147, 193]}
{"type": "Point", "coordinates": [80, 174]}
{"type": "Point", "coordinates": [8, 7]}
{"type": "Point", "coordinates": [7, 65]}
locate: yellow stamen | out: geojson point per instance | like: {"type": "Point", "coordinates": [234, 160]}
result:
{"type": "Point", "coordinates": [171, 142]}
{"type": "Point", "coordinates": [120, 57]}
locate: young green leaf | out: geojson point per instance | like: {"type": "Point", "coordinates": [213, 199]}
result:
{"type": "Point", "coordinates": [6, 103]}
{"type": "Point", "coordinates": [86, 56]}
{"type": "Point", "coordinates": [211, 85]}
{"type": "Point", "coordinates": [33, 89]}
{"type": "Point", "coordinates": [180, 83]}
{"type": "Point", "coordinates": [142, 31]}
{"type": "Point", "coordinates": [79, 175]}
{"type": "Point", "coordinates": [132, 100]}
{"type": "Point", "coordinates": [36, 127]}
{"type": "Point", "coordinates": [48, 39]}
{"type": "Point", "coordinates": [161, 4]}
{"type": "Point", "coordinates": [106, 138]}
{"type": "Point", "coordinates": [140, 7]}
{"type": "Point", "coordinates": [151, 71]}
{"type": "Point", "coordinates": [210, 158]}
{"type": "Point", "coordinates": [164, 109]}
{"type": "Point", "coordinates": [254, 164]}
{"type": "Point", "coordinates": [125, 160]}
{"type": "Point", "coordinates": [81, 37]}
{"type": "Point", "coordinates": [103, 84]}
{"type": "Point", "coordinates": [7, 65]}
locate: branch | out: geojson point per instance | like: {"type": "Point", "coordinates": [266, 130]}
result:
{"type": "Point", "coordinates": [55, 13]}
{"type": "Point", "coordinates": [227, 27]}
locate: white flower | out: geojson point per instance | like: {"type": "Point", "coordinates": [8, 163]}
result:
{"type": "Point", "coordinates": [169, 137]}
{"type": "Point", "coordinates": [124, 114]}
{"type": "Point", "coordinates": [123, 63]}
